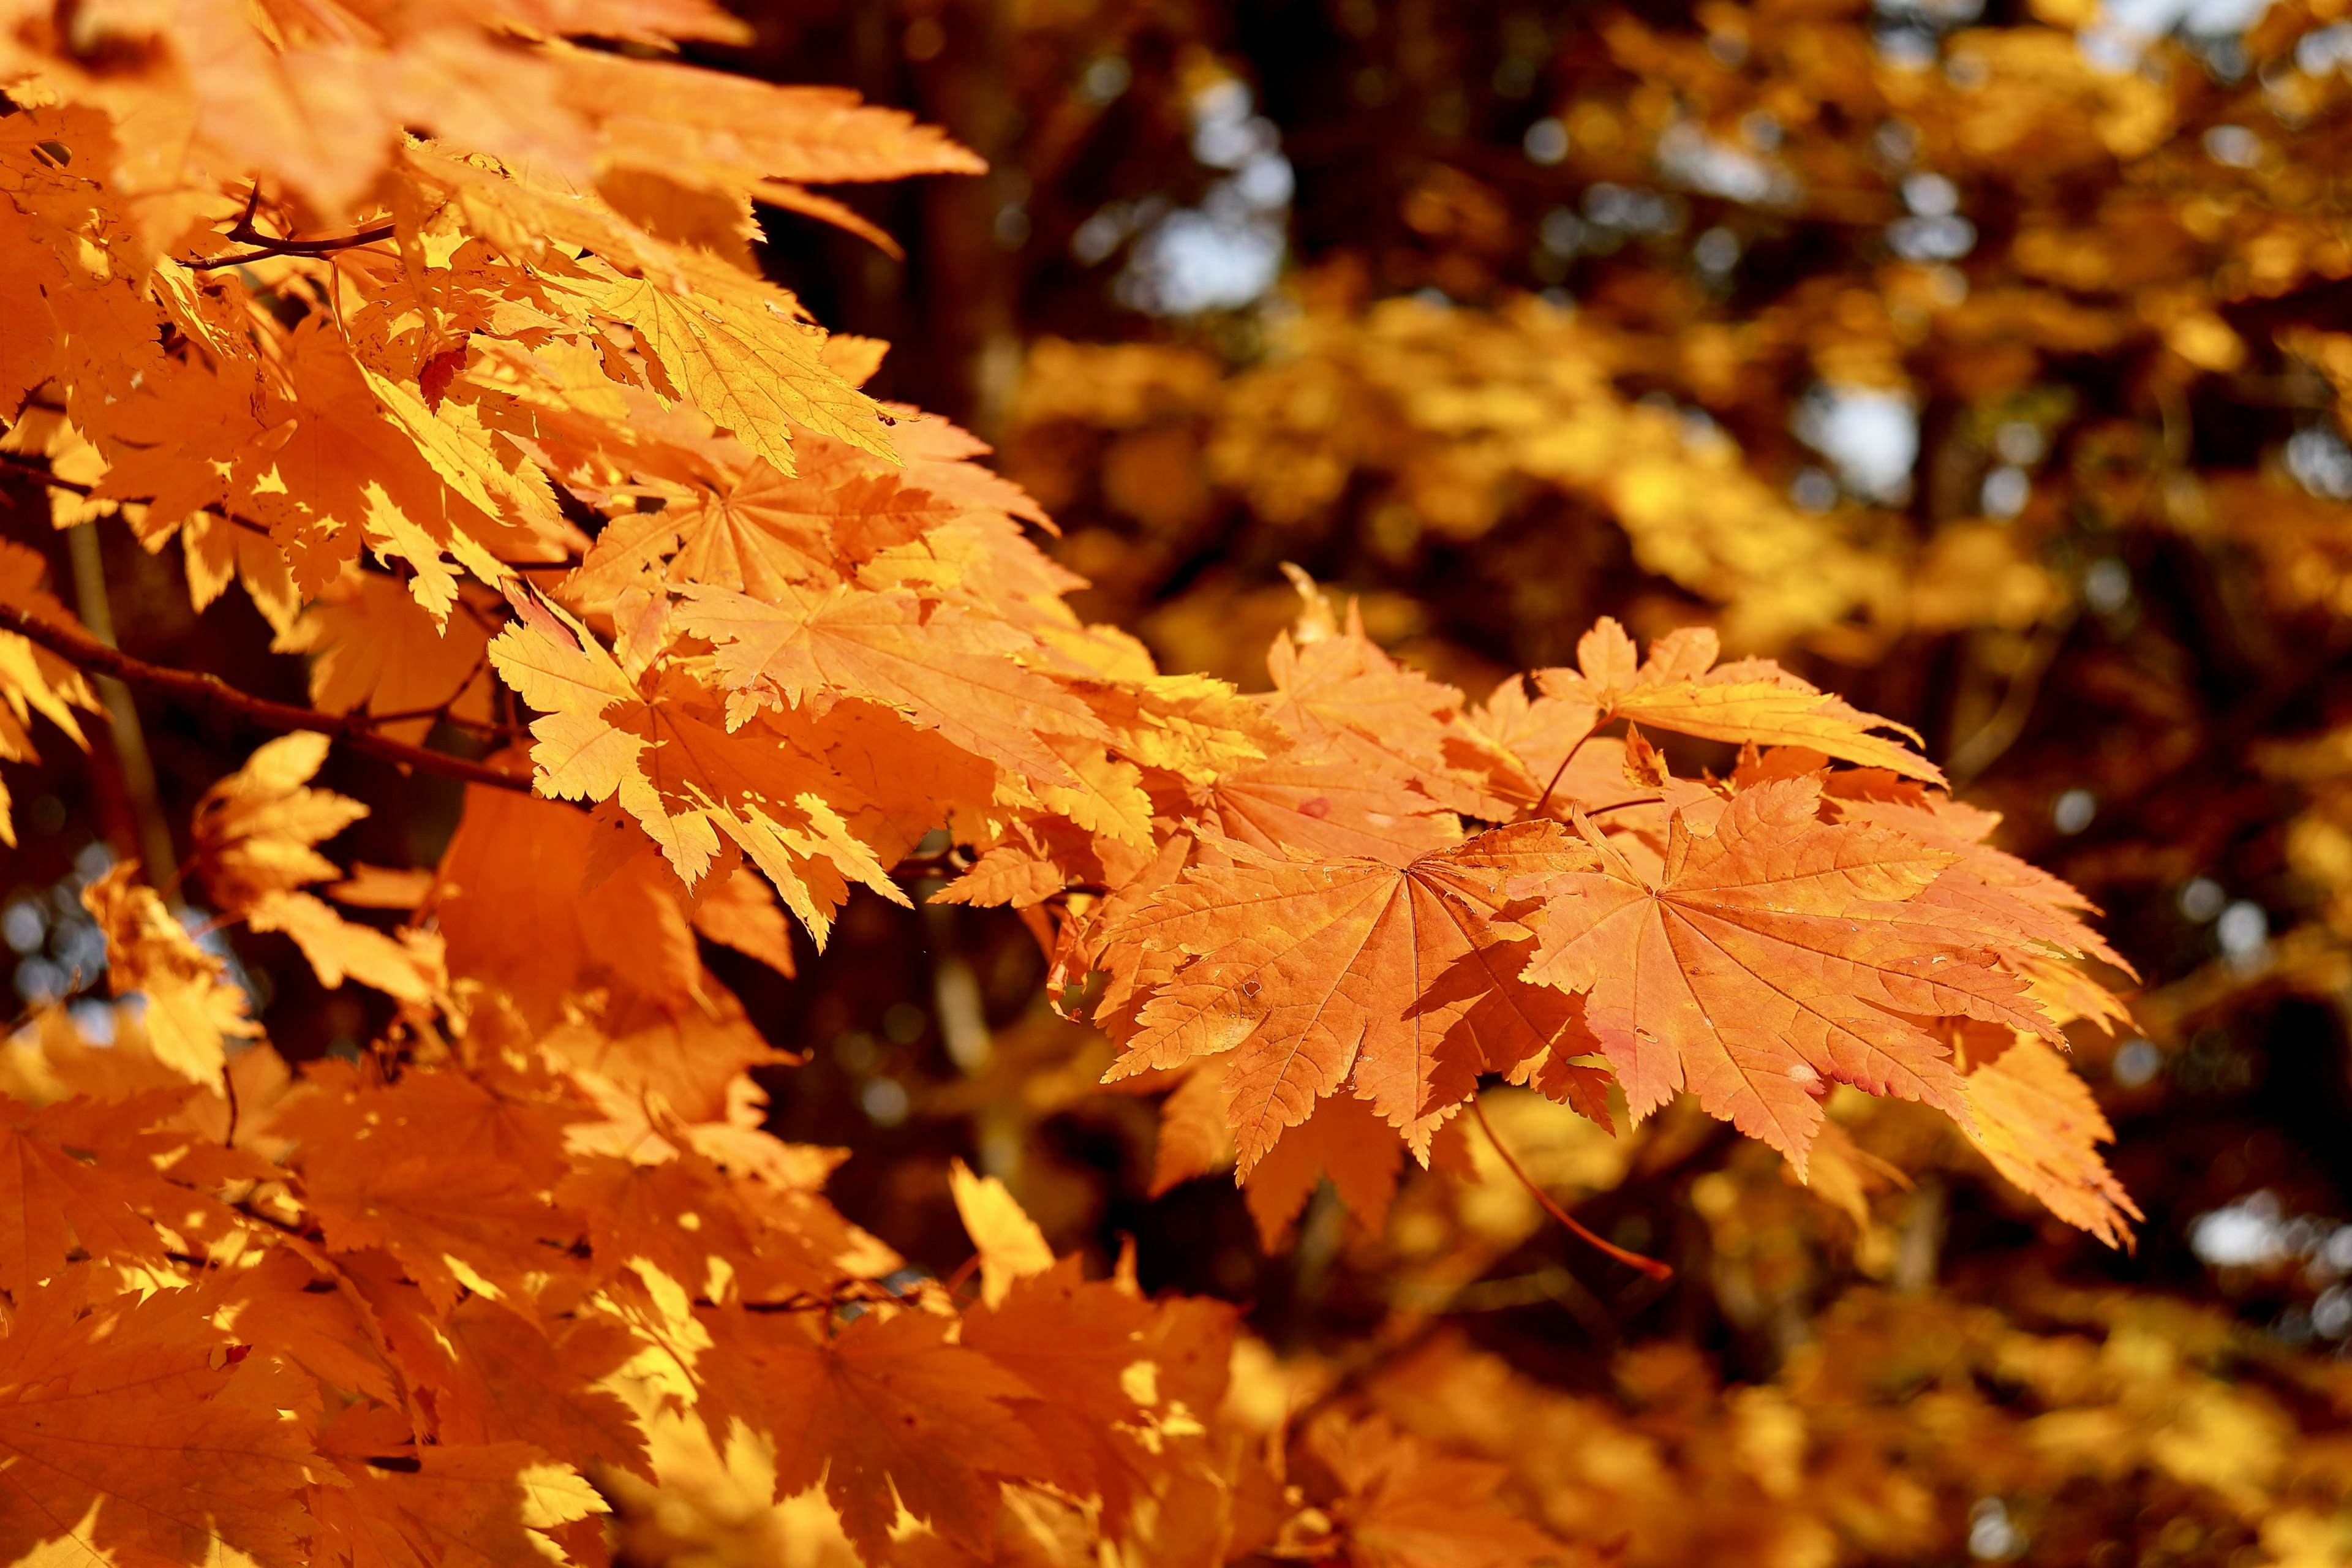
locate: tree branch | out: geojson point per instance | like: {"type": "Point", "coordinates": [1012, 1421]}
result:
{"type": "Point", "coordinates": [269, 245]}
{"type": "Point", "coordinates": [39, 473]}
{"type": "Point", "coordinates": [206, 690]}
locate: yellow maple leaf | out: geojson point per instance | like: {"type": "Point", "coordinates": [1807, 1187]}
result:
{"type": "Point", "coordinates": [194, 1009]}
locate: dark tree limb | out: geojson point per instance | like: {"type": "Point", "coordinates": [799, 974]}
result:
{"type": "Point", "coordinates": [270, 245]}
{"type": "Point", "coordinates": [39, 473]}
{"type": "Point", "coordinates": [202, 690]}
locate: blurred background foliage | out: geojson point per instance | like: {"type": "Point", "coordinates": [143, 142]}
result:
{"type": "Point", "coordinates": [1982, 360]}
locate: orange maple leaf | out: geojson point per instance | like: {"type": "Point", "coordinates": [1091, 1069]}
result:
{"type": "Point", "coordinates": [885, 1414]}
{"type": "Point", "coordinates": [1401, 979]}
{"type": "Point", "coordinates": [83, 1174]}
{"type": "Point", "coordinates": [2040, 1126]}
{"type": "Point", "coordinates": [1401, 1505]}
{"type": "Point", "coordinates": [1771, 959]}
{"type": "Point", "coordinates": [1080, 1345]}
{"type": "Point", "coordinates": [1678, 687]}
{"type": "Point", "coordinates": [128, 1430]}
{"type": "Point", "coordinates": [944, 669]}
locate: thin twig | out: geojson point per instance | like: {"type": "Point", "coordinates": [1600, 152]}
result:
{"type": "Point", "coordinates": [1649, 1266]}
{"type": "Point", "coordinates": [203, 689]}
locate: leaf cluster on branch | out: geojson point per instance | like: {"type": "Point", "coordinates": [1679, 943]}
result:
{"type": "Point", "coordinates": [438, 332]}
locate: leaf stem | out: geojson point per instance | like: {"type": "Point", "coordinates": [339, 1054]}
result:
{"type": "Point", "coordinates": [1561, 771]}
{"type": "Point", "coordinates": [1649, 1266]}
{"type": "Point", "coordinates": [1624, 804]}
{"type": "Point", "coordinates": [205, 690]}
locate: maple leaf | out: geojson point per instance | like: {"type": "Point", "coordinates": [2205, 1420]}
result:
{"type": "Point", "coordinates": [1771, 959]}
{"type": "Point", "coordinates": [1343, 1143]}
{"type": "Point", "coordinates": [294, 1305]}
{"type": "Point", "coordinates": [1403, 1506]}
{"type": "Point", "coordinates": [742, 350]}
{"type": "Point", "coordinates": [887, 1414]}
{"type": "Point", "coordinates": [2039, 1125]}
{"type": "Point", "coordinates": [685, 777]}
{"type": "Point", "coordinates": [1341, 696]}
{"type": "Point", "coordinates": [450, 1179]}
{"type": "Point", "coordinates": [1678, 687]}
{"type": "Point", "coordinates": [1081, 1344]}
{"type": "Point", "coordinates": [1011, 1248]}
{"type": "Point", "coordinates": [509, 1380]}
{"type": "Point", "coordinates": [1331, 808]}
{"type": "Point", "coordinates": [732, 130]}
{"type": "Point", "coordinates": [194, 1010]}
{"type": "Point", "coordinates": [2016, 907]}
{"type": "Point", "coordinates": [57, 1196]}
{"type": "Point", "coordinates": [762, 530]}
{"type": "Point", "coordinates": [407, 969]}
{"type": "Point", "coordinates": [515, 915]}
{"type": "Point", "coordinates": [127, 1435]}
{"type": "Point", "coordinates": [945, 669]}
{"type": "Point", "coordinates": [441, 1506]}
{"type": "Point", "coordinates": [255, 829]}
{"type": "Point", "coordinates": [1401, 979]}
{"type": "Point", "coordinates": [739, 911]}
{"type": "Point", "coordinates": [1196, 1132]}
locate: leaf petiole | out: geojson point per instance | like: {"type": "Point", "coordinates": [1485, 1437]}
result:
{"type": "Point", "coordinates": [1649, 1266]}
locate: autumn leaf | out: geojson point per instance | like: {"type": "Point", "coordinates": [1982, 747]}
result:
{"type": "Point", "coordinates": [445, 1504]}
{"type": "Point", "coordinates": [885, 1414]}
{"type": "Point", "coordinates": [1402, 981]}
{"type": "Point", "coordinates": [1011, 1248]}
{"type": "Point", "coordinates": [1678, 687]}
{"type": "Point", "coordinates": [1342, 1143]}
{"type": "Point", "coordinates": [1082, 1345]}
{"type": "Point", "coordinates": [127, 1435]}
{"type": "Point", "coordinates": [1775, 957]}
{"type": "Point", "coordinates": [742, 352]}
{"type": "Point", "coordinates": [1346, 699]}
{"type": "Point", "coordinates": [375, 650]}
{"type": "Point", "coordinates": [32, 679]}
{"type": "Point", "coordinates": [257, 830]}
{"type": "Point", "coordinates": [194, 1010]}
{"type": "Point", "coordinates": [2040, 1126]}
{"type": "Point", "coordinates": [510, 1380]}
{"type": "Point", "coordinates": [449, 1178]}
{"type": "Point", "coordinates": [943, 669]}
{"type": "Point", "coordinates": [1331, 808]}
{"type": "Point", "coordinates": [59, 1197]}
{"type": "Point", "coordinates": [1405, 1507]}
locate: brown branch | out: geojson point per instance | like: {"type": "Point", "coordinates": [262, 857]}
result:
{"type": "Point", "coordinates": [203, 689]}
{"type": "Point", "coordinates": [10, 463]}
{"type": "Point", "coordinates": [40, 474]}
{"type": "Point", "coordinates": [270, 245]}
{"type": "Point", "coordinates": [1649, 1266]}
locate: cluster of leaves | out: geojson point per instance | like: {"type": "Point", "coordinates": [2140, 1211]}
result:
{"type": "Point", "coordinates": [440, 336]}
